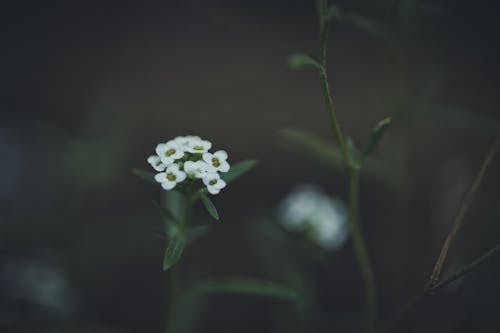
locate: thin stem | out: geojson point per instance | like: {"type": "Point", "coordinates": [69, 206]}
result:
{"type": "Point", "coordinates": [357, 237]}
{"type": "Point", "coordinates": [360, 249]}
{"type": "Point", "coordinates": [327, 93]}
{"type": "Point", "coordinates": [458, 220]}
{"type": "Point", "coordinates": [174, 273]}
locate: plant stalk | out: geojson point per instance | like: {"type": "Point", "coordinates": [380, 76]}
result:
{"type": "Point", "coordinates": [361, 251]}
{"type": "Point", "coordinates": [174, 273]}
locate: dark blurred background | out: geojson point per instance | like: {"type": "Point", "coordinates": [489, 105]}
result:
{"type": "Point", "coordinates": [88, 88]}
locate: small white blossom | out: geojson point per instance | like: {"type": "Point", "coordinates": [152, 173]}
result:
{"type": "Point", "coordinates": [217, 161]}
{"type": "Point", "coordinates": [171, 177]}
{"type": "Point", "coordinates": [213, 182]}
{"type": "Point", "coordinates": [156, 163]}
{"type": "Point", "coordinates": [324, 219]}
{"type": "Point", "coordinates": [169, 152]}
{"type": "Point", "coordinates": [196, 169]}
{"type": "Point", "coordinates": [198, 146]}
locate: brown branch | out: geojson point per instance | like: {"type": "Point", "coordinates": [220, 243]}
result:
{"type": "Point", "coordinates": [431, 289]}
{"type": "Point", "coordinates": [459, 218]}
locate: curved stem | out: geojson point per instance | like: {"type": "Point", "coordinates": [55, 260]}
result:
{"type": "Point", "coordinates": [360, 249]}
{"type": "Point", "coordinates": [328, 95]}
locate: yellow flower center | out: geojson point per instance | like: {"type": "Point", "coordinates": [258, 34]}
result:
{"type": "Point", "coordinates": [171, 177]}
{"type": "Point", "coordinates": [215, 162]}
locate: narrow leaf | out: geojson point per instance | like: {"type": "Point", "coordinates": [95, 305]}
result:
{"type": "Point", "coordinates": [363, 23]}
{"type": "Point", "coordinates": [174, 251]}
{"type": "Point", "coordinates": [313, 146]}
{"type": "Point", "coordinates": [248, 286]}
{"type": "Point", "coordinates": [377, 133]}
{"type": "Point", "coordinates": [299, 61]}
{"type": "Point", "coordinates": [210, 207]}
{"type": "Point", "coordinates": [238, 170]}
{"type": "Point", "coordinates": [145, 175]}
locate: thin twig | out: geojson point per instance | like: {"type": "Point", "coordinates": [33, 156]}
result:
{"type": "Point", "coordinates": [431, 289]}
{"type": "Point", "coordinates": [465, 270]}
{"type": "Point", "coordinates": [458, 220]}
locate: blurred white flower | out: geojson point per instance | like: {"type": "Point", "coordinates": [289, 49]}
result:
{"type": "Point", "coordinates": [213, 182]}
{"type": "Point", "coordinates": [169, 152]}
{"type": "Point", "coordinates": [323, 218]}
{"type": "Point", "coordinates": [217, 161]}
{"type": "Point", "coordinates": [170, 177]}
{"type": "Point", "coordinates": [196, 169]}
{"type": "Point", "coordinates": [155, 162]}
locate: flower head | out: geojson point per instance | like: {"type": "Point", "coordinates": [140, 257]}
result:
{"type": "Point", "coordinates": [185, 159]}
{"type": "Point", "coordinates": [171, 177]}
{"type": "Point", "coordinates": [213, 182]}
{"type": "Point", "coordinates": [216, 161]}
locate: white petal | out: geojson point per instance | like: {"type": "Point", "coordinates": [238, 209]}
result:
{"type": "Point", "coordinates": [160, 149]}
{"type": "Point", "coordinates": [153, 159]}
{"type": "Point", "coordinates": [168, 185]}
{"type": "Point", "coordinates": [180, 176]}
{"type": "Point", "coordinates": [213, 190]}
{"type": "Point", "coordinates": [221, 155]}
{"type": "Point", "coordinates": [161, 177]}
{"type": "Point", "coordinates": [166, 160]}
{"type": "Point", "coordinates": [220, 184]}
{"type": "Point", "coordinates": [223, 167]}
{"type": "Point", "coordinates": [159, 167]}
{"type": "Point", "coordinates": [207, 157]}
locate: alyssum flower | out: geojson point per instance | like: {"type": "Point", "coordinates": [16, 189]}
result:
{"type": "Point", "coordinates": [184, 160]}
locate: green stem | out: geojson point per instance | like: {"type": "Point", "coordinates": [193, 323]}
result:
{"type": "Point", "coordinates": [328, 95]}
{"type": "Point", "coordinates": [174, 273]}
{"type": "Point", "coordinates": [360, 249]}
{"type": "Point", "coordinates": [357, 237]}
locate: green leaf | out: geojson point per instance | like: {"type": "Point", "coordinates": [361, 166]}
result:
{"type": "Point", "coordinates": [210, 207]}
{"type": "Point", "coordinates": [174, 250]}
{"type": "Point", "coordinates": [238, 170]}
{"type": "Point", "coordinates": [314, 147]}
{"type": "Point", "coordinates": [299, 61]}
{"type": "Point", "coordinates": [377, 133]}
{"type": "Point", "coordinates": [146, 175]}
{"type": "Point", "coordinates": [352, 154]}
{"type": "Point", "coordinates": [249, 286]}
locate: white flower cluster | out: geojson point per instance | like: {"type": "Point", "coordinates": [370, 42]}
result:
{"type": "Point", "coordinates": [308, 209]}
{"type": "Point", "coordinates": [185, 159]}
